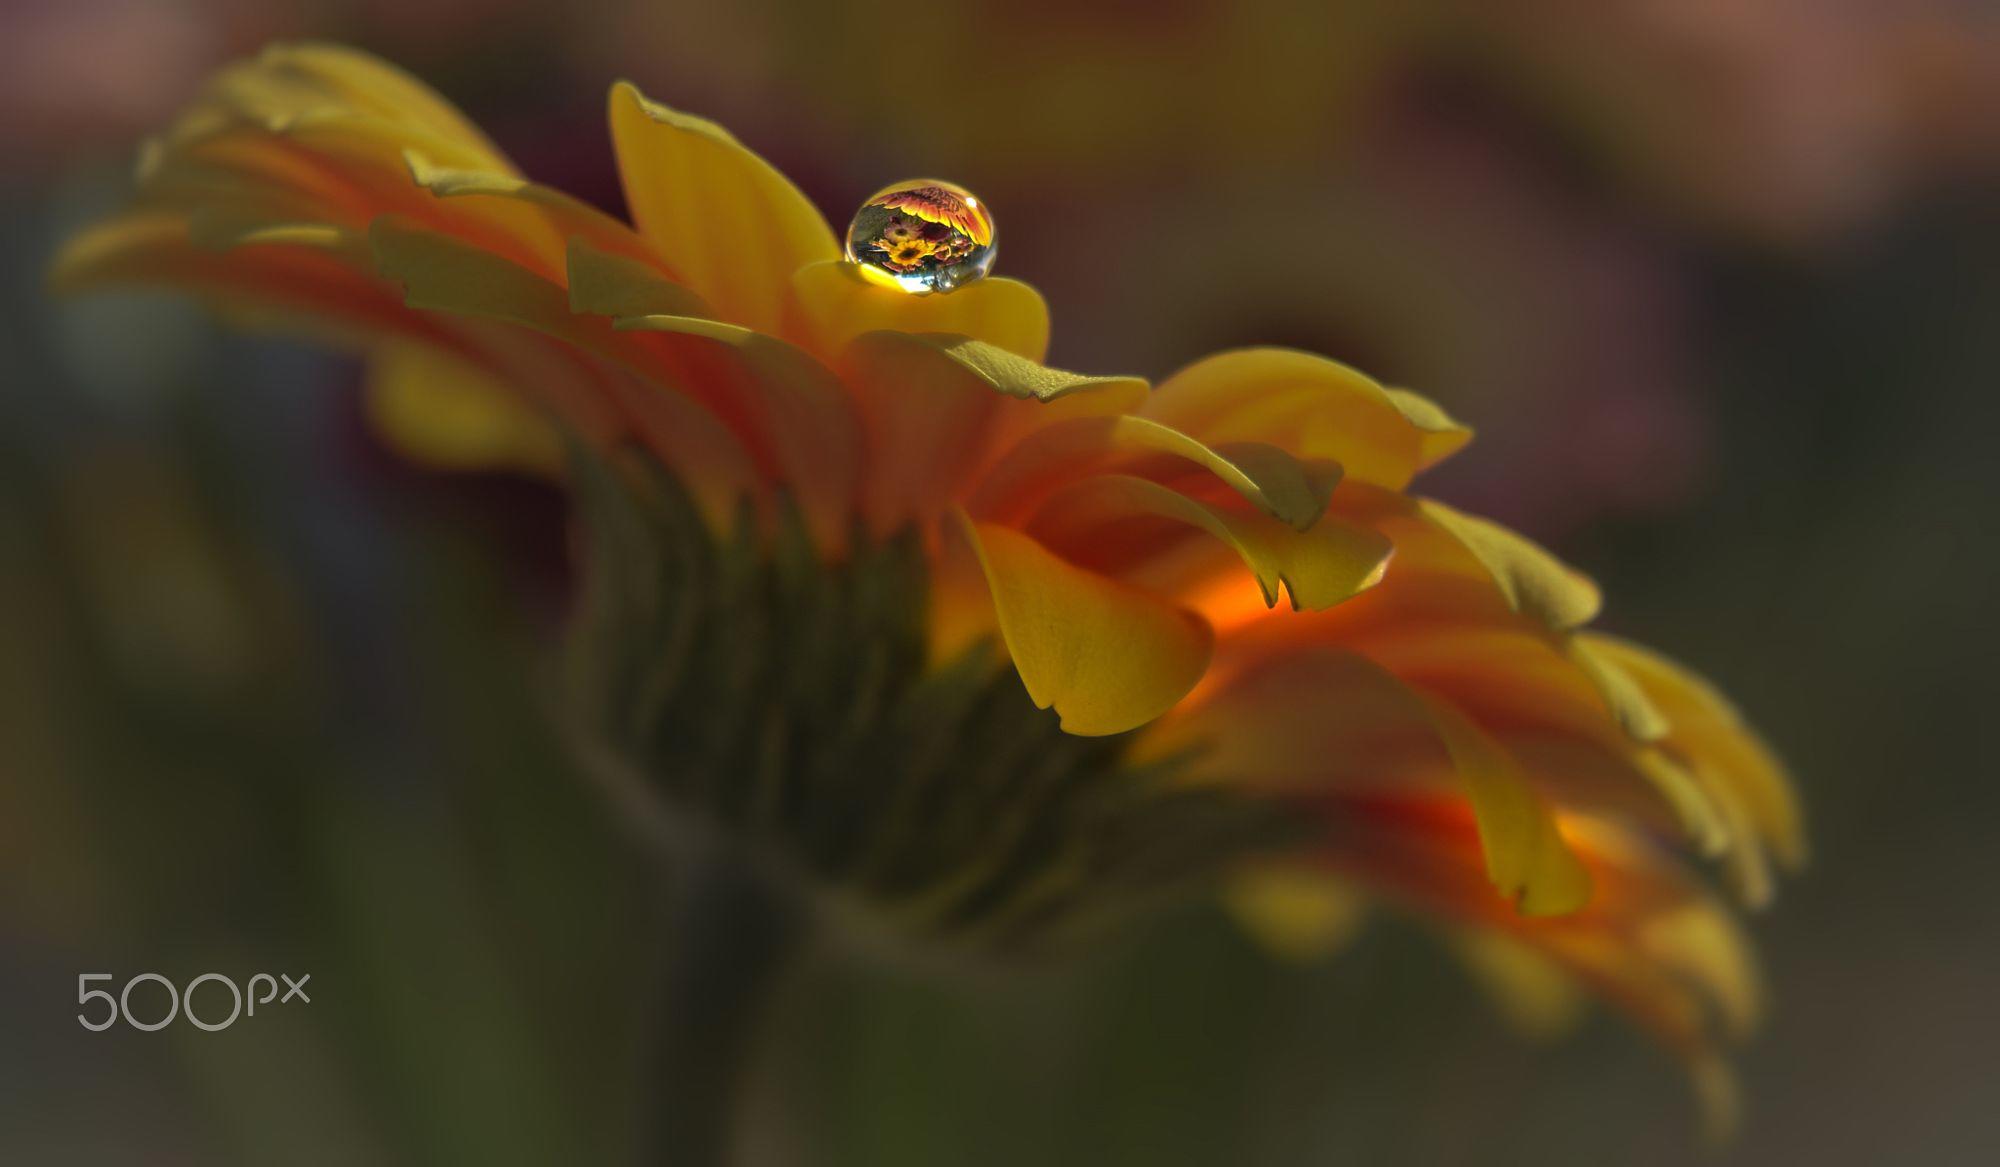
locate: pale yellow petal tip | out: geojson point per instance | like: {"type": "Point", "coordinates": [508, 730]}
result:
{"type": "Point", "coordinates": [1692, 805]}
{"type": "Point", "coordinates": [1531, 579]}
{"type": "Point", "coordinates": [1296, 914]}
{"type": "Point", "coordinates": [447, 182]}
{"type": "Point", "coordinates": [116, 252]}
{"type": "Point", "coordinates": [1537, 997]}
{"type": "Point", "coordinates": [1628, 700]}
{"type": "Point", "coordinates": [1314, 406]}
{"type": "Point", "coordinates": [1444, 435]}
{"type": "Point", "coordinates": [220, 231]}
{"type": "Point", "coordinates": [1010, 373]}
{"type": "Point", "coordinates": [667, 115]}
{"type": "Point", "coordinates": [1704, 943]}
{"type": "Point", "coordinates": [76, 266]}
{"type": "Point", "coordinates": [1709, 733]}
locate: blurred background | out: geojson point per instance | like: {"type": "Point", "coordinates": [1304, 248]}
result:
{"type": "Point", "coordinates": [1718, 283]}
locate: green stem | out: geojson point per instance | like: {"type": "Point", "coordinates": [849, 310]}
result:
{"type": "Point", "coordinates": [732, 938]}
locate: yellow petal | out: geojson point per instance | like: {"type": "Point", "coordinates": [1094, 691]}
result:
{"type": "Point", "coordinates": [1296, 912]}
{"type": "Point", "coordinates": [1106, 657]}
{"type": "Point", "coordinates": [1314, 407]}
{"type": "Point", "coordinates": [1324, 565]}
{"type": "Point", "coordinates": [325, 96]}
{"type": "Point", "coordinates": [1710, 827]}
{"type": "Point", "coordinates": [1634, 710]}
{"type": "Point", "coordinates": [723, 219]}
{"type": "Point", "coordinates": [1746, 860]}
{"type": "Point", "coordinates": [444, 412]}
{"type": "Point", "coordinates": [316, 134]}
{"type": "Point", "coordinates": [225, 229]}
{"type": "Point", "coordinates": [1442, 435]}
{"type": "Point", "coordinates": [1703, 943]}
{"type": "Point", "coordinates": [293, 78]}
{"type": "Point", "coordinates": [1534, 582]}
{"type": "Point", "coordinates": [837, 304]}
{"type": "Point", "coordinates": [1534, 993]}
{"type": "Point", "coordinates": [1527, 857]}
{"type": "Point", "coordinates": [1706, 729]}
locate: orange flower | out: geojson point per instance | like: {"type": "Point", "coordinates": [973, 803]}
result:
{"type": "Point", "coordinates": [879, 488]}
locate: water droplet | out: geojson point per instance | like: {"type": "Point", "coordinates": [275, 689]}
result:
{"type": "Point", "coordinates": [923, 236]}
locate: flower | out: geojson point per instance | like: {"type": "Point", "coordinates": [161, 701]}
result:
{"type": "Point", "coordinates": [901, 230]}
{"type": "Point", "coordinates": [906, 254]}
{"type": "Point", "coordinates": [838, 531]}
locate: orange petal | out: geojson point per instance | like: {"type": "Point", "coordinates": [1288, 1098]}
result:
{"type": "Point", "coordinates": [1058, 455]}
{"type": "Point", "coordinates": [538, 219]}
{"type": "Point", "coordinates": [1327, 564]}
{"type": "Point", "coordinates": [442, 273]}
{"type": "Point", "coordinates": [798, 408]}
{"type": "Point", "coordinates": [1651, 941]}
{"type": "Point", "coordinates": [1319, 721]}
{"type": "Point", "coordinates": [939, 406]}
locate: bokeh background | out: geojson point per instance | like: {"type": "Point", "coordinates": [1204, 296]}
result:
{"type": "Point", "coordinates": [1718, 282]}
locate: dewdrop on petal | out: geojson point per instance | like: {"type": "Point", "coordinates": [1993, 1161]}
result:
{"type": "Point", "coordinates": [923, 236]}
